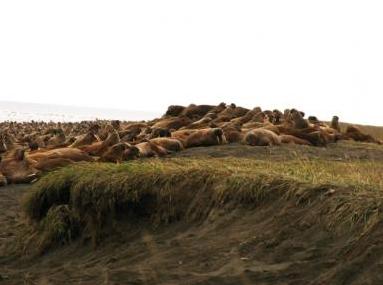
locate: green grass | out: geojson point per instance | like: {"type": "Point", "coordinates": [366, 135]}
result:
{"type": "Point", "coordinates": [95, 196]}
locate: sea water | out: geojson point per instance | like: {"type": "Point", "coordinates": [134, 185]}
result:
{"type": "Point", "coordinates": [24, 112]}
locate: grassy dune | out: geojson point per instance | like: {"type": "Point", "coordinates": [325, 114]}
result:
{"type": "Point", "coordinates": [230, 214]}
{"type": "Point", "coordinates": [89, 199]}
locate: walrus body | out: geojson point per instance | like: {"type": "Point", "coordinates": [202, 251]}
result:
{"type": "Point", "coordinates": [17, 169]}
{"type": "Point", "coordinates": [50, 164]}
{"type": "Point", "coordinates": [114, 153]}
{"type": "Point", "coordinates": [73, 154]}
{"type": "Point", "coordinates": [261, 137]}
{"type": "Point", "coordinates": [205, 137]}
{"type": "Point", "coordinates": [170, 144]}
{"type": "Point", "coordinates": [289, 139]}
{"type": "Point", "coordinates": [355, 133]}
{"type": "Point", "coordinates": [148, 149]}
{"type": "Point", "coordinates": [86, 139]}
{"type": "Point", "coordinates": [3, 180]}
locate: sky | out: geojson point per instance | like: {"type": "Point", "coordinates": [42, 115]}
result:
{"type": "Point", "coordinates": [323, 57]}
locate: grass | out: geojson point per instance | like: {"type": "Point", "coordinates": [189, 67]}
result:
{"type": "Point", "coordinates": [92, 197]}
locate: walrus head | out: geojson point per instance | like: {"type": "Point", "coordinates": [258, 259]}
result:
{"type": "Point", "coordinates": [33, 146]}
{"type": "Point", "coordinates": [115, 124]}
{"type": "Point", "coordinates": [131, 152]}
{"type": "Point", "coordinates": [313, 119]}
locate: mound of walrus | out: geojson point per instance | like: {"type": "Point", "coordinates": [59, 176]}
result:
{"type": "Point", "coordinates": [30, 148]}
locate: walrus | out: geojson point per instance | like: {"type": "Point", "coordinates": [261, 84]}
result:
{"type": "Point", "coordinates": [335, 123]}
{"type": "Point", "coordinates": [112, 139]}
{"type": "Point", "coordinates": [219, 108]}
{"type": "Point", "coordinates": [49, 164]}
{"type": "Point", "coordinates": [174, 110]}
{"type": "Point", "coordinates": [196, 111]}
{"type": "Point", "coordinates": [130, 133]}
{"type": "Point", "coordinates": [210, 115]}
{"type": "Point", "coordinates": [202, 123]}
{"type": "Point", "coordinates": [246, 118]}
{"type": "Point", "coordinates": [85, 139]}
{"type": "Point", "coordinates": [182, 135]}
{"type": "Point", "coordinates": [92, 149]}
{"type": "Point", "coordinates": [131, 152]}
{"type": "Point", "coordinates": [222, 119]}
{"type": "Point", "coordinates": [355, 133]}
{"type": "Point", "coordinates": [116, 124]}
{"type": "Point", "coordinates": [58, 139]}
{"type": "Point", "coordinates": [289, 139]}
{"type": "Point", "coordinates": [287, 118]}
{"type": "Point", "coordinates": [170, 144]}
{"type": "Point", "coordinates": [269, 115]}
{"type": "Point", "coordinates": [104, 132]}
{"type": "Point", "coordinates": [114, 153]}
{"type": "Point", "coordinates": [17, 169]}
{"type": "Point", "coordinates": [42, 140]}
{"type": "Point", "coordinates": [132, 127]}
{"type": "Point", "coordinates": [315, 137]}
{"type": "Point", "coordinates": [232, 132]}
{"type": "Point", "coordinates": [205, 137]}
{"type": "Point", "coordinates": [33, 146]}
{"type": "Point", "coordinates": [261, 137]}
{"type": "Point", "coordinates": [298, 121]}
{"type": "Point", "coordinates": [159, 133]}
{"type": "Point", "coordinates": [316, 122]}
{"type": "Point", "coordinates": [277, 117]}
{"type": "Point", "coordinates": [173, 123]}
{"type": "Point", "coordinates": [252, 125]}
{"type": "Point", "coordinates": [3, 146]}
{"type": "Point", "coordinates": [260, 117]}
{"type": "Point", "coordinates": [148, 149]}
{"type": "Point", "coordinates": [74, 154]}
{"type": "Point", "coordinates": [3, 180]}
{"type": "Point", "coordinates": [233, 111]}
{"type": "Point", "coordinates": [313, 120]}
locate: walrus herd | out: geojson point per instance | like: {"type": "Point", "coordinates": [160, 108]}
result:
{"type": "Point", "coordinates": [30, 148]}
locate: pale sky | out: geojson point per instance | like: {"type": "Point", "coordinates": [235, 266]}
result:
{"type": "Point", "coordinates": [323, 57]}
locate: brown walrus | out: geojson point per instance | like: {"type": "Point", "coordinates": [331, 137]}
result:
{"type": "Point", "coordinates": [3, 180]}
{"type": "Point", "coordinates": [3, 146]}
{"type": "Point", "coordinates": [298, 121]}
{"type": "Point", "coordinates": [115, 153]}
{"type": "Point", "coordinates": [261, 137]}
{"type": "Point", "coordinates": [196, 111]}
{"type": "Point", "coordinates": [73, 154]}
{"type": "Point", "coordinates": [148, 149]}
{"type": "Point", "coordinates": [49, 164]}
{"type": "Point", "coordinates": [205, 137]}
{"type": "Point", "coordinates": [355, 133]}
{"type": "Point", "coordinates": [173, 123]}
{"type": "Point", "coordinates": [335, 123]}
{"type": "Point", "coordinates": [17, 169]}
{"type": "Point", "coordinates": [289, 139]}
{"type": "Point", "coordinates": [131, 152]}
{"type": "Point", "coordinates": [86, 139]}
{"type": "Point", "coordinates": [170, 144]}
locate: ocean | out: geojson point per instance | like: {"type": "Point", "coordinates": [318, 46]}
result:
{"type": "Point", "coordinates": [24, 112]}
